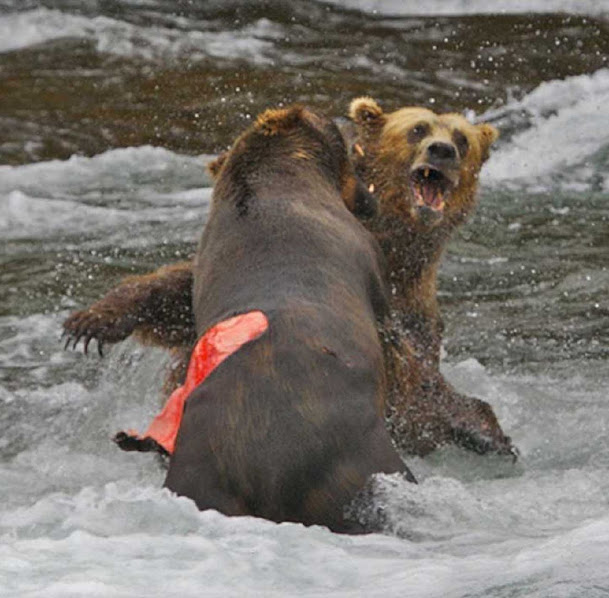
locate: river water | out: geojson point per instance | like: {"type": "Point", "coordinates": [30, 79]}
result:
{"type": "Point", "coordinates": [109, 111]}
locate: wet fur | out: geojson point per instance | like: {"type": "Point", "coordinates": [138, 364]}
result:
{"type": "Point", "coordinates": [156, 307]}
{"type": "Point", "coordinates": [291, 427]}
{"type": "Point", "coordinates": [424, 411]}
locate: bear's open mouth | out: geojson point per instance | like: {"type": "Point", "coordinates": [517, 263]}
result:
{"type": "Point", "coordinates": [430, 187]}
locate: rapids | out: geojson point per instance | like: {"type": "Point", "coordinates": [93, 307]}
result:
{"type": "Point", "coordinates": [109, 112]}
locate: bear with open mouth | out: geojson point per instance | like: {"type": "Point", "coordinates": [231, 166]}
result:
{"type": "Point", "coordinates": [423, 167]}
{"type": "Point", "coordinates": [424, 170]}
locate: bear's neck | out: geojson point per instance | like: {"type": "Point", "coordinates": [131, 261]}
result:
{"type": "Point", "coordinates": [413, 255]}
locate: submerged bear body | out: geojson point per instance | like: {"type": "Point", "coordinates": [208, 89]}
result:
{"type": "Point", "coordinates": [290, 427]}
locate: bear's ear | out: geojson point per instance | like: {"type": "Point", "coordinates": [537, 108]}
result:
{"type": "Point", "coordinates": [276, 120]}
{"type": "Point", "coordinates": [487, 135]}
{"type": "Point", "coordinates": [365, 112]}
{"type": "Point", "coordinates": [215, 165]}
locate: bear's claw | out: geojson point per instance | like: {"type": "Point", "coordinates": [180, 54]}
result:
{"type": "Point", "coordinates": [88, 325]}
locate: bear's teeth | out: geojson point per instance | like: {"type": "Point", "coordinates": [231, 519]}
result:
{"type": "Point", "coordinates": [371, 188]}
{"type": "Point", "coordinates": [358, 148]}
{"type": "Point", "coordinates": [426, 173]}
{"type": "Point", "coordinates": [439, 202]}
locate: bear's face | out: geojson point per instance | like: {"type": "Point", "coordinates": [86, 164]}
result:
{"type": "Point", "coordinates": [425, 165]}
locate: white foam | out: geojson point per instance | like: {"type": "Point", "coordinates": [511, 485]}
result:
{"type": "Point", "coordinates": [112, 190]}
{"type": "Point", "coordinates": [567, 130]}
{"type": "Point", "coordinates": [472, 7]}
{"type": "Point", "coordinates": [24, 216]}
{"type": "Point", "coordinates": [117, 540]}
{"type": "Point", "coordinates": [30, 342]}
{"type": "Point", "coordinates": [28, 28]}
{"type": "Point", "coordinates": [22, 29]}
{"type": "Point", "coordinates": [125, 169]}
{"type": "Point", "coordinates": [79, 516]}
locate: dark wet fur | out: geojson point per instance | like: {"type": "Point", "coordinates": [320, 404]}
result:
{"type": "Point", "coordinates": [290, 427]}
{"type": "Point", "coordinates": [424, 412]}
{"type": "Point", "coordinates": [156, 307]}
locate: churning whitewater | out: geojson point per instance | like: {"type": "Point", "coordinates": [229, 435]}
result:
{"type": "Point", "coordinates": [523, 291]}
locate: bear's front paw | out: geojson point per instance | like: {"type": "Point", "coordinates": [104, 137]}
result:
{"type": "Point", "coordinates": [482, 442]}
{"type": "Point", "coordinates": [474, 426]}
{"type": "Point", "coordinates": [89, 324]}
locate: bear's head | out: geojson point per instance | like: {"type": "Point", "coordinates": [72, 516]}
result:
{"type": "Point", "coordinates": [424, 166]}
{"type": "Point", "coordinates": [300, 138]}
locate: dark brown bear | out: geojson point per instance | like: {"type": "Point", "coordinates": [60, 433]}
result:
{"type": "Point", "coordinates": [291, 426]}
{"type": "Point", "coordinates": [424, 169]}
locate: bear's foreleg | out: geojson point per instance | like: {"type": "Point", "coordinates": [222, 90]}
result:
{"type": "Point", "coordinates": [157, 307]}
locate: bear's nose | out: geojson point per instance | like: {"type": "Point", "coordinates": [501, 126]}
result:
{"type": "Point", "coordinates": [442, 151]}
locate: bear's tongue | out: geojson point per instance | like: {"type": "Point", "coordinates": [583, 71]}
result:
{"type": "Point", "coordinates": [433, 197]}
{"type": "Point", "coordinates": [428, 193]}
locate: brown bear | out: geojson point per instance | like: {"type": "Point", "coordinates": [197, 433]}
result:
{"type": "Point", "coordinates": [290, 425]}
{"type": "Point", "coordinates": [424, 169]}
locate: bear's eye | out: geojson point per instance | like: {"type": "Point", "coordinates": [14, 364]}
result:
{"type": "Point", "coordinates": [461, 142]}
{"type": "Point", "coordinates": [418, 132]}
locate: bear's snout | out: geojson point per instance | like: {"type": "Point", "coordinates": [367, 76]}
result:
{"type": "Point", "coordinates": [440, 151]}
